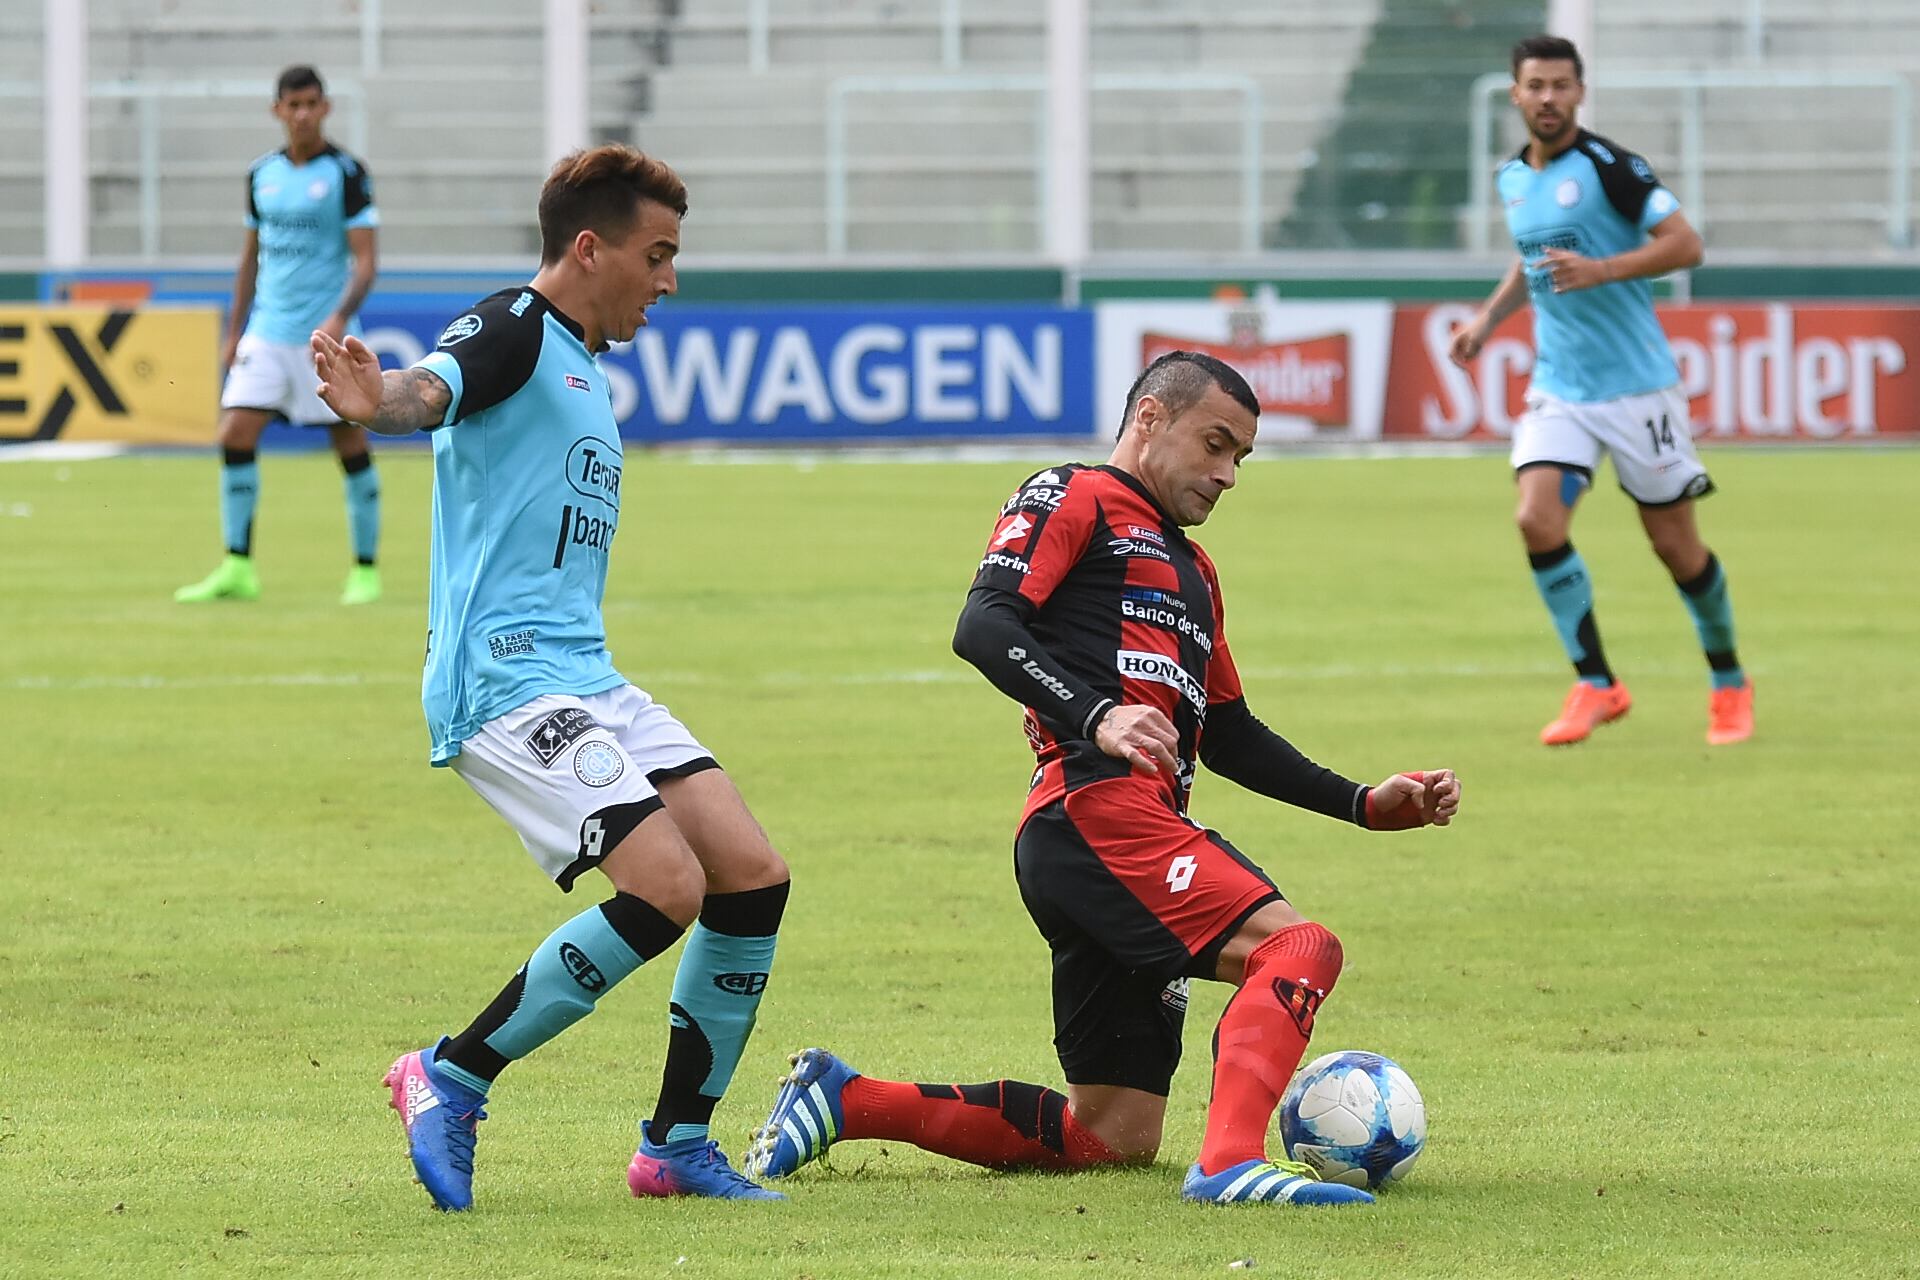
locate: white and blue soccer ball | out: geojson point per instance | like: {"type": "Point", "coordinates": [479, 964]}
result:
{"type": "Point", "coordinates": [1355, 1118]}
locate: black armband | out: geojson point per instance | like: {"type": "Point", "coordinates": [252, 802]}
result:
{"type": "Point", "coordinates": [994, 636]}
{"type": "Point", "coordinates": [1238, 747]}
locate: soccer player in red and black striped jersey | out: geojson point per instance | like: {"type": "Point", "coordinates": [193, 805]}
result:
{"type": "Point", "coordinates": [1094, 610]}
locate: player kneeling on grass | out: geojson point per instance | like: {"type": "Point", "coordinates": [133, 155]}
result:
{"type": "Point", "coordinates": [1094, 610]}
{"type": "Point", "coordinates": [523, 698]}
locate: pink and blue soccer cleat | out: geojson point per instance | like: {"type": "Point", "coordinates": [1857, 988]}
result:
{"type": "Point", "coordinates": [441, 1121]}
{"type": "Point", "coordinates": [1270, 1182]}
{"type": "Point", "coordinates": [806, 1116]}
{"type": "Point", "coordinates": [692, 1167]}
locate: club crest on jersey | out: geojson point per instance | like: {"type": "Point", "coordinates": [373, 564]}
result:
{"type": "Point", "coordinates": [1567, 194]}
{"type": "Point", "coordinates": [556, 732]}
{"type": "Point", "coordinates": [460, 330]}
{"type": "Point", "coordinates": [318, 188]}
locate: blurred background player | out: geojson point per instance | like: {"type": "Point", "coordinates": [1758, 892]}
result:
{"type": "Point", "coordinates": [525, 704]}
{"type": "Point", "coordinates": [1593, 225]}
{"type": "Point", "coordinates": [1094, 610]}
{"type": "Point", "coordinates": [307, 263]}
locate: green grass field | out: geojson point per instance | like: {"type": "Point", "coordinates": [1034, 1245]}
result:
{"type": "Point", "coordinates": [1661, 999]}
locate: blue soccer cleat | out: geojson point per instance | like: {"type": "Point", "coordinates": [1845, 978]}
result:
{"type": "Point", "coordinates": [692, 1167]}
{"type": "Point", "coordinates": [806, 1116]}
{"type": "Point", "coordinates": [1270, 1182]}
{"type": "Point", "coordinates": [441, 1121]}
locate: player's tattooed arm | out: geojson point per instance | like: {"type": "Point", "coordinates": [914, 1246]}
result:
{"type": "Point", "coordinates": [391, 403]}
{"type": "Point", "coordinates": [410, 400]}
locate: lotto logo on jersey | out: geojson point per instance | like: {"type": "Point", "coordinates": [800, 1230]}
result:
{"type": "Point", "coordinates": [1013, 529]}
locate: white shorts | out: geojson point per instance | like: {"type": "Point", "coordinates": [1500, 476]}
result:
{"type": "Point", "coordinates": [1648, 436]}
{"type": "Point", "coordinates": [575, 775]}
{"type": "Point", "coordinates": [277, 377]}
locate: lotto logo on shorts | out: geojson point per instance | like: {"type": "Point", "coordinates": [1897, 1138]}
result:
{"type": "Point", "coordinates": [598, 763]}
{"type": "Point", "coordinates": [554, 733]}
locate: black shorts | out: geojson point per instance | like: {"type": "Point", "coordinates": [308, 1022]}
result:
{"type": "Point", "coordinates": [1133, 899]}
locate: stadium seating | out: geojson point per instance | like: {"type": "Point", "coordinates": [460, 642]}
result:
{"type": "Point", "coordinates": [451, 117]}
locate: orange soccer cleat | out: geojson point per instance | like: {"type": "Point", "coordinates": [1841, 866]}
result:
{"type": "Point", "coordinates": [1587, 706]}
{"type": "Point", "coordinates": [1730, 715]}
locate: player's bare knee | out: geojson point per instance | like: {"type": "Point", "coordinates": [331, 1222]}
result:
{"type": "Point", "coordinates": [1681, 551]}
{"type": "Point", "coordinates": [654, 863]}
{"type": "Point", "coordinates": [767, 868]}
{"type": "Point", "coordinates": [237, 432]}
{"type": "Point", "coordinates": [1254, 932]}
{"type": "Point", "coordinates": [1128, 1125]}
{"type": "Point", "coordinates": [1542, 525]}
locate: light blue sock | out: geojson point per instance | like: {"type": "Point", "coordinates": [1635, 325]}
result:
{"type": "Point", "coordinates": [579, 962]}
{"type": "Point", "coordinates": [460, 1076]}
{"type": "Point", "coordinates": [1712, 609]}
{"type": "Point", "coordinates": [716, 995]}
{"type": "Point", "coordinates": [1561, 577]}
{"type": "Point", "coordinates": [239, 492]}
{"type": "Point", "coordinates": [363, 507]}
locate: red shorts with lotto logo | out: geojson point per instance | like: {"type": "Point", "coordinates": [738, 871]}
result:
{"type": "Point", "coordinates": [1134, 899]}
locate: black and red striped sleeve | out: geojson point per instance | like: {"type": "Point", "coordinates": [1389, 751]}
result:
{"type": "Point", "coordinates": [1042, 532]}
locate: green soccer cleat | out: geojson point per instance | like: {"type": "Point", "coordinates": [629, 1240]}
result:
{"type": "Point", "coordinates": [363, 585]}
{"type": "Point", "coordinates": [235, 579]}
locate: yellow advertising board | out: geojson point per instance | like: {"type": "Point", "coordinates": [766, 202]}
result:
{"type": "Point", "coordinates": [133, 376]}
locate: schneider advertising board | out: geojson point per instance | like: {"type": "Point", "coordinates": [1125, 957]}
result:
{"type": "Point", "coordinates": [1370, 370]}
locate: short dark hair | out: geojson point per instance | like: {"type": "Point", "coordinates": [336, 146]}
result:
{"type": "Point", "coordinates": [1549, 49]}
{"type": "Point", "coordinates": [1179, 380]}
{"type": "Point", "coordinates": [600, 191]}
{"type": "Point", "coordinates": [294, 79]}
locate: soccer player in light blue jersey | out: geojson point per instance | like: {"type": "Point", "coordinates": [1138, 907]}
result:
{"type": "Point", "coordinates": [523, 700]}
{"type": "Point", "coordinates": [1593, 225]}
{"type": "Point", "coordinates": [308, 262]}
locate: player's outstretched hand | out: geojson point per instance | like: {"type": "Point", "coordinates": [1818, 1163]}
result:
{"type": "Point", "coordinates": [1139, 735]}
{"type": "Point", "coordinates": [350, 382]}
{"type": "Point", "coordinates": [1417, 799]}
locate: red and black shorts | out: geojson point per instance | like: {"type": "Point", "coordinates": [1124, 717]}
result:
{"type": "Point", "coordinates": [1134, 899]}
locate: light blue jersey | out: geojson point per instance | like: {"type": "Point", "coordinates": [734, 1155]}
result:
{"type": "Point", "coordinates": [303, 213]}
{"type": "Point", "coordinates": [526, 499]}
{"type": "Point", "coordinates": [1596, 200]}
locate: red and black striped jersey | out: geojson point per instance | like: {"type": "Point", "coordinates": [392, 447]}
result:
{"type": "Point", "coordinates": [1128, 607]}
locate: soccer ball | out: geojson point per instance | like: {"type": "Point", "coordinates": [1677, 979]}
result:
{"type": "Point", "coordinates": [1355, 1118]}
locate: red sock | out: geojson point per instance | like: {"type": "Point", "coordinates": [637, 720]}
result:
{"type": "Point", "coordinates": [1261, 1036]}
{"type": "Point", "coordinates": [1003, 1125]}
